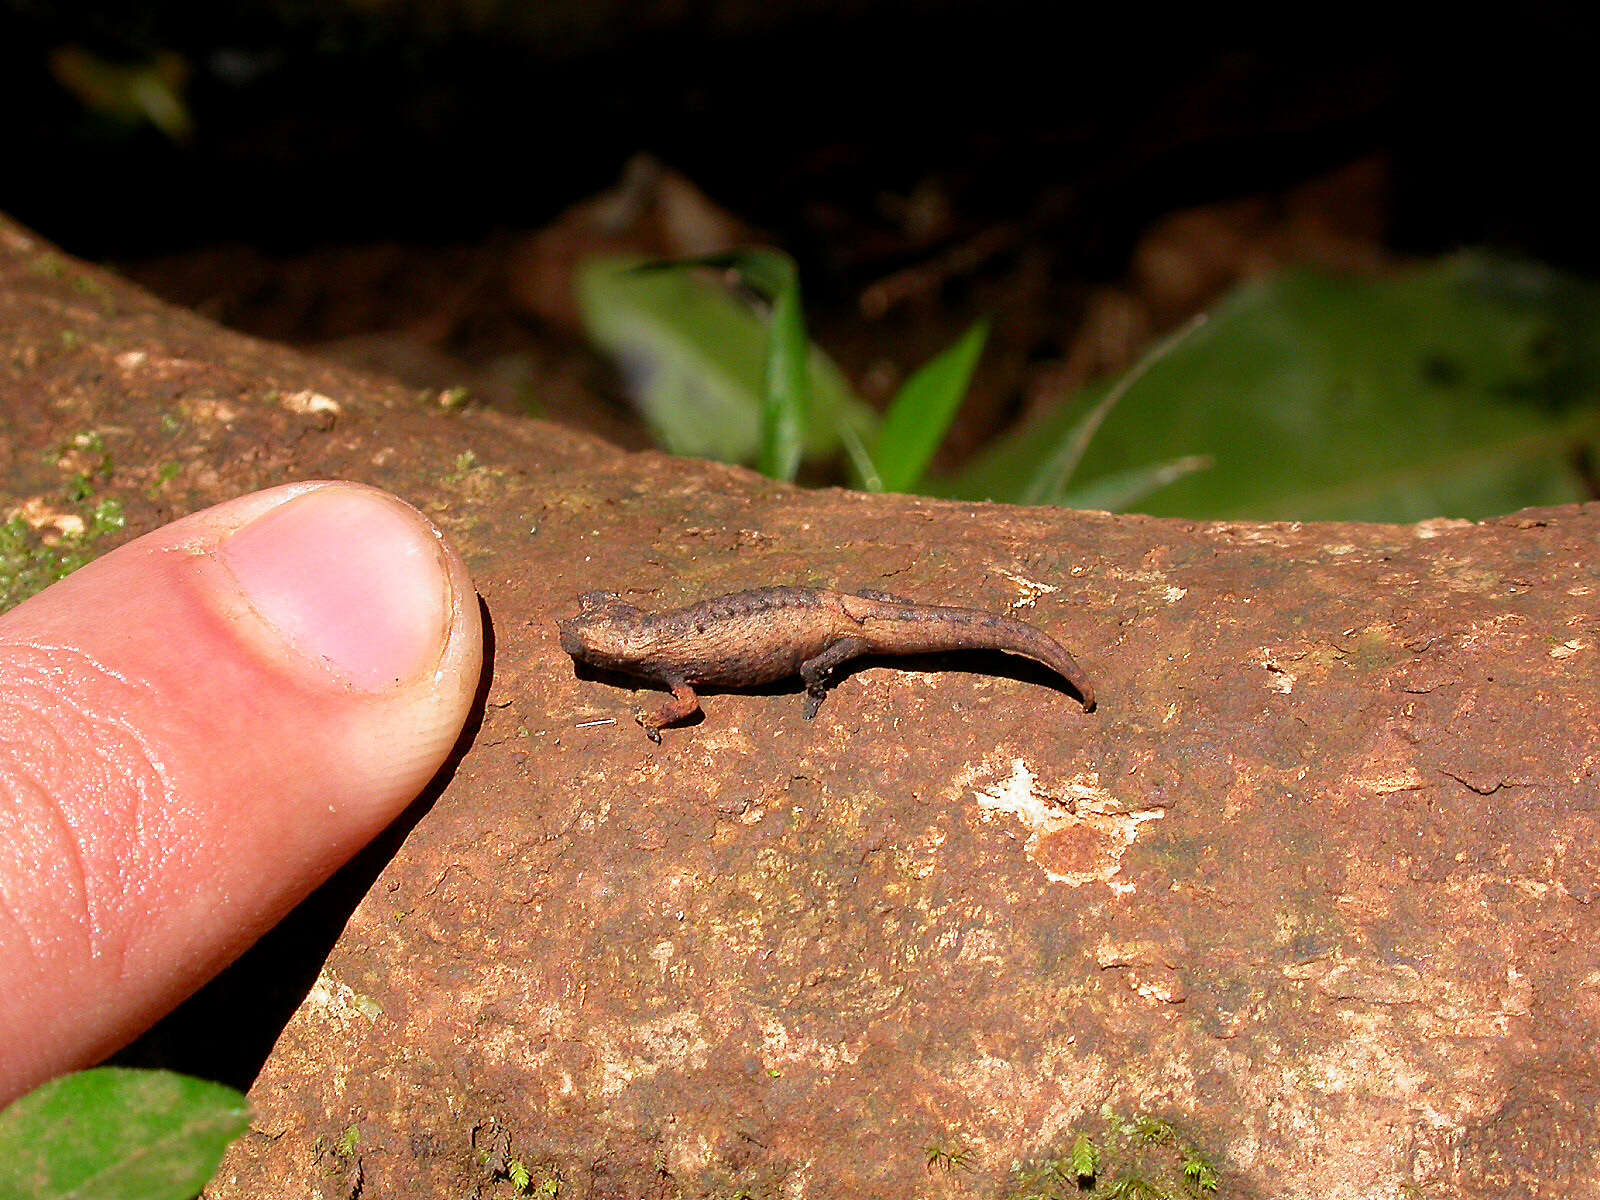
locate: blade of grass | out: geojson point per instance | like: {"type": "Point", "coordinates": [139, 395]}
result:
{"type": "Point", "coordinates": [786, 380]}
{"type": "Point", "coordinates": [1122, 490]}
{"type": "Point", "coordinates": [1048, 484]}
{"type": "Point", "coordinates": [921, 412]}
{"type": "Point", "coordinates": [786, 401]}
{"type": "Point", "coordinates": [866, 472]}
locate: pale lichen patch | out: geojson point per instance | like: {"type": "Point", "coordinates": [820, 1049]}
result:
{"type": "Point", "coordinates": [341, 1005]}
{"type": "Point", "coordinates": [1075, 839]}
{"type": "Point", "coordinates": [209, 410]}
{"type": "Point", "coordinates": [39, 515]}
{"type": "Point", "coordinates": [672, 1042]}
{"type": "Point", "coordinates": [1438, 526]}
{"type": "Point", "coordinates": [1385, 781]}
{"type": "Point", "coordinates": [1153, 967]}
{"type": "Point", "coordinates": [310, 404]}
{"type": "Point", "coordinates": [1279, 677]}
{"type": "Point", "coordinates": [1032, 588]}
{"type": "Point", "coordinates": [1371, 982]}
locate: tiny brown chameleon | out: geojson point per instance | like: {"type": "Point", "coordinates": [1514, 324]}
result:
{"type": "Point", "coordinates": [759, 636]}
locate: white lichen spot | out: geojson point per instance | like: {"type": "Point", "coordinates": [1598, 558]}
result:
{"type": "Point", "coordinates": [340, 1004]}
{"type": "Point", "coordinates": [203, 409]}
{"type": "Point", "coordinates": [1372, 982]}
{"type": "Point", "coordinates": [774, 1039]}
{"type": "Point", "coordinates": [1386, 783]}
{"type": "Point", "coordinates": [589, 821]}
{"type": "Point", "coordinates": [310, 404]}
{"type": "Point", "coordinates": [1255, 535]}
{"type": "Point", "coordinates": [1568, 649]}
{"type": "Point", "coordinates": [1076, 838]}
{"type": "Point", "coordinates": [1174, 593]}
{"type": "Point", "coordinates": [661, 954]}
{"type": "Point", "coordinates": [1517, 999]}
{"type": "Point", "coordinates": [797, 1182]}
{"type": "Point", "coordinates": [1154, 968]}
{"type": "Point", "coordinates": [37, 513]}
{"type": "Point", "coordinates": [783, 1051]}
{"type": "Point", "coordinates": [685, 1154]}
{"type": "Point", "coordinates": [1017, 797]}
{"type": "Point", "coordinates": [1279, 677]}
{"type": "Point", "coordinates": [636, 1052]}
{"type": "Point", "coordinates": [1032, 588]}
{"type": "Point", "coordinates": [131, 360]}
{"type": "Point", "coordinates": [1437, 526]}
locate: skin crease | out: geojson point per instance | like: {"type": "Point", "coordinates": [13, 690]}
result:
{"type": "Point", "coordinates": [758, 636]}
{"type": "Point", "coordinates": [195, 731]}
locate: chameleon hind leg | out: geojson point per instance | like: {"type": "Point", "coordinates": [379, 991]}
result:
{"type": "Point", "coordinates": [815, 671]}
{"type": "Point", "coordinates": [683, 705]}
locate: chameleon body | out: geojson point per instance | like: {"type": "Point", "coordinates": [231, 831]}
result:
{"type": "Point", "coordinates": [750, 638]}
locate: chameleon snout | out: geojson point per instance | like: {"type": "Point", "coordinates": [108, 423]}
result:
{"type": "Point", "coordinates": [571, 640]}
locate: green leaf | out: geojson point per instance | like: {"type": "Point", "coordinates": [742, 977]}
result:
{"type": "Point", "coordinates": [786, 385]}
{"type": "Point", "coordinates": [1200, 1173]}
{"type": "Point", "coordinates": [1048, 483]}
{"type": "Point", "coordinates": [147, 91]}
{"type": "Point", "coordinates": [519, 1175]}
{"type": "Point", "coordinates": [786, 396]}
{"type": "Point", "coordinates": [1125, 489]}
{"type": "Point", "coordinates": [117, 1134]}
{"type": "Point", "coordinates": [695, 359]}
{"type": "Point", "coordinates": [1085, 1158]}
{"type": "Point", "coordinates": [1465, 387]}
{"type": "Point", "coordinates": [922, 410]}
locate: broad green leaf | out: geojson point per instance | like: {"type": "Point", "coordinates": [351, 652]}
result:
{"type": "Point", "coordinates": [786, 384]}
{"type": "Point", "coordinates": [695, 360]}
{"type": "Point", "coordinates": [921, 412]}
{"type": "Point", "coordinates": [1464, 387]}
{"type": "Point", "coordinates": [117, 1134]}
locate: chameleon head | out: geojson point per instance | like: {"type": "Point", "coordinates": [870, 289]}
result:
{"type": "Point", "coordinates": [604, 632]}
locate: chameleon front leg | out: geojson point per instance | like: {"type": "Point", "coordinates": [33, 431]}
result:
{"type": "Point", "coordinates": [815, 671]}
{"type": "Point", "coordinates": [684, 704]}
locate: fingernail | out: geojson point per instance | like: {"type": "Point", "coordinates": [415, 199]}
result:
{"type": "Point", "coordinates": [349, 577]}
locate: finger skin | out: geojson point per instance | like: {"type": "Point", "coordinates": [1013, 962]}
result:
{"type": "Point", "coordinates": [177, 770]}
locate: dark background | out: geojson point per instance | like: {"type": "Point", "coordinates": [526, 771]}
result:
{"type": "Point", "coordinates": [327, 123]}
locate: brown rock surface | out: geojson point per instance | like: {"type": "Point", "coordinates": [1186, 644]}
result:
{"type": "Point", "coordinates": [1315, 883]}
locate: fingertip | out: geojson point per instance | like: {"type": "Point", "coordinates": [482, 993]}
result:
{"type": "Point", "coordinates": [352, 578]}
{"type": "Point", "coordinates": [212, 718]}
